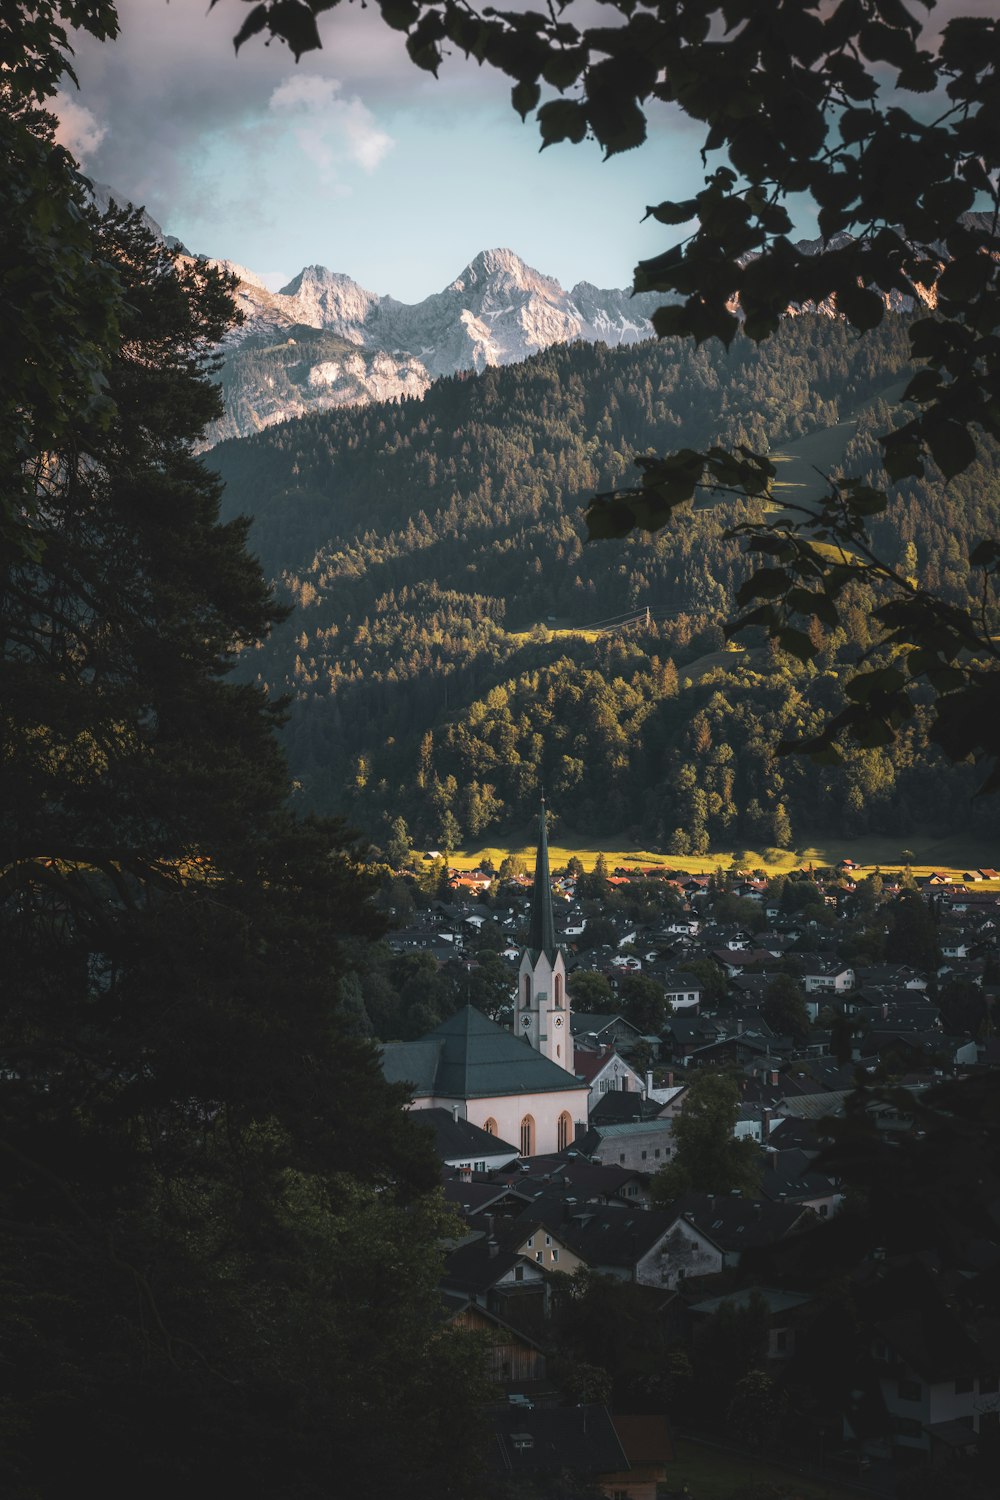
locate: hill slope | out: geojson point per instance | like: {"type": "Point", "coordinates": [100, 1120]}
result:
{"type": "Point", "coordinates": [430, 547]}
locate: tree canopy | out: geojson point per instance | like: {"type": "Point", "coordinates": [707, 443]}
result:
{"type": "Point", "coordinates": [218, 1239]}
{"type": "Point", "coordinates": [708, 1158]}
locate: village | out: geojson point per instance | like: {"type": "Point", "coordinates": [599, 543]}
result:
{"type": "Point", "coordinates": [627, 1297]}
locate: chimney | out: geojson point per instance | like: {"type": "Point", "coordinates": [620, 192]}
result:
{"type": "Point", "coordinates": [765, 1124]}
{"type": "Point", "coordinates": [649, 1082]}
{"type": "Point", "coordinates": [492, 1247]}
{"type": "Point", "coordinates": [455, 1114]}
{"type": "Point", "coordinates": [775, 1076]}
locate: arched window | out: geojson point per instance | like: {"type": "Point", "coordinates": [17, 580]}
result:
{"type": "Point", "coordinates": [527, 1136]}
{"type": "Point", "coordinates": [558, 979]}
{"type": "Point", "coordinates": [564, 1131]}
{"type": "Point", "coordinates": [527, 990]}
{"type": "Point", "coordinates": [491, 1126]}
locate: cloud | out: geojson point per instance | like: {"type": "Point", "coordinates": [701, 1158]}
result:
{"type": "Point", "coordinates": [335, 127]}
{"type": "Point", "coordinates": [79, 130]}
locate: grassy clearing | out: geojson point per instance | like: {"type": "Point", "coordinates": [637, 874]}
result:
{"type": "Point", "coordinates": [555, 633]}
{"type": "Point", "coordinates": [803, 464]}
{"type": "Point", "coordinates": [951, 856]}
{"type": "Point", "coordinates": [710, 1475]}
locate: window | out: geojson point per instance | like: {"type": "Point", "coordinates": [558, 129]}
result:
{"type": "Point", "coordinates": [527, 1136]}
{"type": "Point", "coordinates": [539, 1254]}
{"type": "Point", "coordinates": [518, 1273]}
{"type": "Point", "coordinates": [553, 1255]}
{"type": "Point", "coordinates": [548, 1239]}
{"type": "Point", "coordinates": [909, 1390]}
{"type": "Point", "coordinates": [644, 1156]}
{"type": "Point", "coordinates": [527, 990]}
{"type": "Point", "coordinates": [656, 1153]}
{"type": "Point", "coordinates": [621, 1158]}
{"type": "Point", "coordinates": [479, 1166]}
{"type": "Point", "coordinates": [531, 1241]}
{"type": "Point", "coordinates": [491, 1126]}
{"type": "Point", "coordinates": [564, 1131]}
{"type": "Point", "coordinates": [558, 990]}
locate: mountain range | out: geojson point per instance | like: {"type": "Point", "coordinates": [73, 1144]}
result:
{"type": "Point", "coordinates": [324, 341]}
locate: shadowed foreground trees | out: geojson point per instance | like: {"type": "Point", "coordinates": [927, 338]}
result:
{"type": "Point", "coordinates": [217, 1243]}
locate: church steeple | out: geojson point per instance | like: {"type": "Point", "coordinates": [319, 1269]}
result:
{"type": "Point", "coordinates": [542, 929]}
{"type": "Point", "coordinates": [543, 1015]}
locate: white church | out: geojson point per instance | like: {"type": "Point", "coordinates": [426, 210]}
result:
{"type": "Point", "coordinates": [521, 1087]}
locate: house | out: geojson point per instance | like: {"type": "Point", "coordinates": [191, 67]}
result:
{"type": "Point", "coordinates": [624, 1243]}
{"type": "Point", "coordinates": [512, 1358]}
{"type": "Point", "coordinates": [497, 1278]}
{"type": "Point", "coordinates": [461, 1144]}
{"type": "Point", "coordinates": [639, 1145]}
{"type": "Point", "coordinates": [683, 991]}
{"type": "Point", "coordinates": [604, 1070]}
{"type": "Point", "coordinates": [648, 1448]}
{"type": "Point", "coordinates": [605, 1030]}
{"type": "Point", "coordinates": [736, 1225]}
{"type": "Point", "coordinates": [830, 977]}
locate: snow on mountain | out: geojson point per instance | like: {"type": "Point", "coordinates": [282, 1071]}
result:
{"type": "Point", "coordinates": [497, 311]}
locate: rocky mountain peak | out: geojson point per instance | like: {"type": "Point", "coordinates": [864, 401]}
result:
{"type": "Point", "coordinates": [502, 270]}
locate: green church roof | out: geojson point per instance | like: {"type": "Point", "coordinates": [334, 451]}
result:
{"type": "Point", "coordinates": [470, 1057]}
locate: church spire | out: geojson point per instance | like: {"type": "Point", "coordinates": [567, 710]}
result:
{"type": "Point", "coordinates": [542, 932]}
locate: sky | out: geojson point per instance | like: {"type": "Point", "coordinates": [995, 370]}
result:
{"type": "Point", "coordinates": [353, 158]}
{"type": "Point", "coordinates": [356, 160]}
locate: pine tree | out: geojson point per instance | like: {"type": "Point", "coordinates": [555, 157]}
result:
{"type": "Point", "coordinates": [201, 1162]}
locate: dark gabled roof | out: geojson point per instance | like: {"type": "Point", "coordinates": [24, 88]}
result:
{"type": "Point", "coordinates": [584, 1022]}
{"type": "Point", "coordinates": [613, 1235]}
{"type": "Point", "coordinates": [738, 1223]}
{"type": "Point", "coordinates": [479, 1196]}
{"type": "Point", "coordinates": [554, 1440]}
{"type": "Point", "coordinates": [478, 1265]}
{"type": "Point", "coordinates": [542, 927]}
{"type": "Point", "coordinates": [470, 1057]}
{"type": "Point", "coordinates": [790, 1176]}
{"type": "Point", "coordinates": [619, 1105]}
{"type": "Point", "coordinates": [460, 1137]}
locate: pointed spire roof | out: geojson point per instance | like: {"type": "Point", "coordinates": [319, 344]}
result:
{"type": "Point", "coordinates": [542, 932]}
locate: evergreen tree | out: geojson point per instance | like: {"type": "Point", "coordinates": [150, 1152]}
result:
{"type": "Point", "coordinates": [201, 1161]}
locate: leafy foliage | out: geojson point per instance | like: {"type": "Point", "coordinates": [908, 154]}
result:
{"type": "Point", "coordinates": [708, 1158]}
{"type": "Point", "coordinates": [218, 1244]}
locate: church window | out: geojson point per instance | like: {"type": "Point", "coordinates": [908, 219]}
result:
{"type": "Point", "coordinates": [527, 990]}
{"type": "Point", "coordinates": [558, 989]}
{"type": "Point", "coordinates": [527, 1136]}
{"type": "Point", "coordinates": [563, 1131]}
{"type": "Point", "coordinates": [491, 1126]}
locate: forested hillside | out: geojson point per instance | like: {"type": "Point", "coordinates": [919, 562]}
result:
{"type": "Point", "coordinates": [443, 662]}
